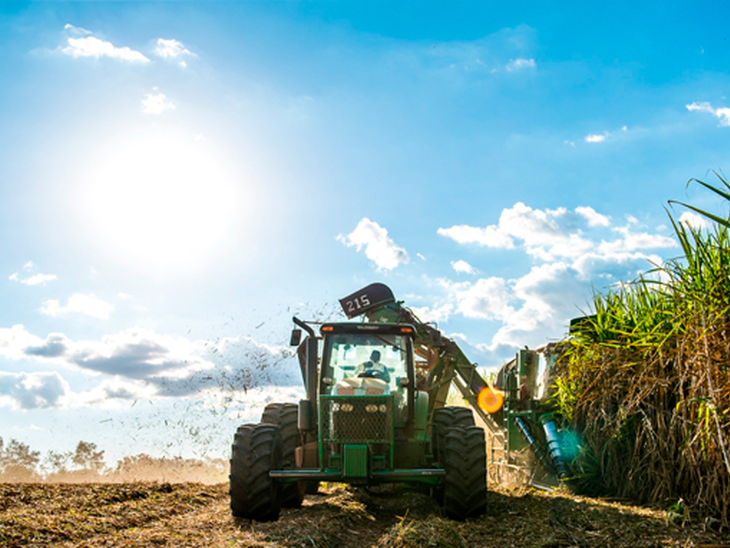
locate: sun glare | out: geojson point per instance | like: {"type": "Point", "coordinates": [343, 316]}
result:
{"type": "Point", "coordinates": [161, 200]}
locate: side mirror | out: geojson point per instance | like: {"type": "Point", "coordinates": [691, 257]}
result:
{"type": "Point", "coordinates": [296, 337]}
{"type": "Point", "coordinates": [401, 382]}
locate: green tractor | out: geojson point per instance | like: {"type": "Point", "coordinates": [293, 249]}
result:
{"type": "Point", "coordinates": [373, 414]}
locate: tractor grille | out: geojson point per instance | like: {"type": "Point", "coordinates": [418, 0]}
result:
{"type": "Point", "coordinates": [357, 419]}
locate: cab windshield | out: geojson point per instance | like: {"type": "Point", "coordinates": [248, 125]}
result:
{"type": "Point", "coordinates": [379, 356]}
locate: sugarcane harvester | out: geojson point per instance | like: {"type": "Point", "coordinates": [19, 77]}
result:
{"type": "Point", "coordinates": [374, 412]}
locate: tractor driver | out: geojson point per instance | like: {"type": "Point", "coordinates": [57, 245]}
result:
{"type": "Point", "coordinates": [373, 368]}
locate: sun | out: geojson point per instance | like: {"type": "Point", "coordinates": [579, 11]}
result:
{"type": "Point", "coordinates": [162, 200]}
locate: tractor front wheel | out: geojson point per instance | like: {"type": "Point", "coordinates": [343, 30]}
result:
{"type": "Point", "coordinates": [443, 419]}
{"type": "Point", "coordinates": [284, 415]}
{"type": "Point", "coordinates": [256, 451]}
{"type": "Point", "coordinates": [465, 460]}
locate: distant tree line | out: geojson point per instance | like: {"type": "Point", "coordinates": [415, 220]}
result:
{"type": "Point", "coordinates": [19, 463]}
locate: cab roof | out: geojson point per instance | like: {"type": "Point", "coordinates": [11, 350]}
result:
{"type": "Point", "coordinates": [379, 328]}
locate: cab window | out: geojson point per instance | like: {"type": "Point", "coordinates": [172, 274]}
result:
{"type": "Point", "coordinates": [348, 355]}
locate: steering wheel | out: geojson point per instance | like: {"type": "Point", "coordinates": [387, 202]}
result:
{"type": "Point", "coordinates": [375, 374]}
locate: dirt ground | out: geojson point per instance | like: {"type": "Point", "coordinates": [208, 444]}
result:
{"type": "Point", "coordinates": [188, 514]}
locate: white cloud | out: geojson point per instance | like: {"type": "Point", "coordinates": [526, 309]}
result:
{"type": "Point", "coordinates": [157, 103]}
{"type": "Point", "coordinates": [544, 301]}
{"type": "Point", "coordinates": [112, 392]}
{"type": "Point", "coordinates": [520, 64]}
{"type": "Point", "coordinates": [594, 218]}
{"type": "Point", "coordinates": [545, 234]}
{"type": "Point", "coordinates": [90, 46]}
{"type": "Point", "coordinates": [722, 113]}
{"type": "Point", "coordinates": [553, 234]}
{"type": "Point", "coordinates": [76, 31]}
{"type": "Point", "coordinates": [576, 252]}
{"type": "Point", "coordinates": [532, 309]}
{"type": "Point", "coordinates": [142, 363]}
{"type": "Point", "coordinates": [489, 236]}
{"type": "Point", "coordinates": [172, 49]}
{"type": "Point", "coordinates": [27, 277]}
{"type": "Point", "coordinates": [39, 279]}
{"type": "Point", "coordinates": [487, 298]}
{"type": "Point", "coordinates": [438, 314]}
{"type": "Point", "coordinates": [379, 247]}
{"type": "Point", "coordinates": [34, 279]}
{"type": "Point", "coordinates": [463, 267]}
{"type": "Point", "coordinates": [596, 137]}
{"type": "Point", "coordinates": [79, 304]}
{"type": "Point", "coordinates": [608, 267]}
{"type": "Point", "coordinates": [14, 341]}
{"type": "Point", "coordinates": [634, 241]}
{"type": "Point", "coordinates": [694, 220]}
{"type": "Point", "coordinates": [32, 390]}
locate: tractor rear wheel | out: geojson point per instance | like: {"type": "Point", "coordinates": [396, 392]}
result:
{"type": "Point", "coordinates": [256, 450]}
{"type": "Point", "coordinates": [445, 418]}
{"type": "Point", "coordinates": [465, 462]}
{"type": "Point", "coordinates": [285, 415]}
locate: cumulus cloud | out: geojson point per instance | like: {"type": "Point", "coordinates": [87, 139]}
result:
{"type": "Point", "coordinates": [88, 305]}
{"type": "Point", "coordinates": [574, 253]}
{"type": "Point", "coordinates": [544, 233]}
{"type": "Point", "coordinates": [76, 31]}
{"type": "Point", "coordinates": [462, 267]}
{"type": "Point", "coordinates": [544, 301]}
{"type": "Point", "coordinates": [135, 354]}
{"type": "Point", "coordinates": [528, 309]}
{"type": "Point", "coordinates": [172, 49]}
{"type": "Point", "coordinates": [694, 220]}
{"type": "Point", "coordinates": [629, 240]}
{"type": "Point", "coordinates": [520, 64]}
{"type": "Point", "coordinates": [721, 113]}
{"type": "Point", "coordinates": [91, 46]}
{"type": "Point", "coordinates": [553, 234]}
{"type": "Point", "coordinates": [28, 277]}
{"type": "Point", "coordinates": [489, 236]}
{"type": "Point", "coordinates": [55, 346]}
{"type": "Point", "coordinates": [596, 137]}
{"type": "Point", "coordinates": [592, 216]}
{"type": "Point", "coordinates": [433, 315]}
{"type": "Point", "coordinates": [141, 363]}
{"type": "Point", "coordinates": [378, 246]}
{"type": "Point", "coordinates": [487, 298]}
{"type": "Point", "coordinates": [157, 103]}
{"type": "Point", "coordinates": [32, 390]}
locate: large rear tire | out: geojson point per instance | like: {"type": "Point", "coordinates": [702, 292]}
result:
{"type": "Point", "coordinates": [256, 451]}
{"type": "Point", "coordinates": [465, 462]}
{"type": "Point", "coordinates": [445, 418]}
{"type": "Point", "coordinates": [285, 416]}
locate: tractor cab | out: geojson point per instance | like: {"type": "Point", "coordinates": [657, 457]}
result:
{"type": "Point", "coordinates": [366, 395]}
{"type": "Point", "coordinates": [369, 360]}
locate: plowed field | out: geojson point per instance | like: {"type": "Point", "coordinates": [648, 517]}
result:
{"type": "Point", "coordinates": [186, 514]}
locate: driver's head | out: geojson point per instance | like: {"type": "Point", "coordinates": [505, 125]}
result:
{"type": "Point", "coordinates": [375, 356]}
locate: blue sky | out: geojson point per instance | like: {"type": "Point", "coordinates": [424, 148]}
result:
{"type": "Point", "coordinates": [178, 179]}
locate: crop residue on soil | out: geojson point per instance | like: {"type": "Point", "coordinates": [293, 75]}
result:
{"type": "Point", "coordinates": [188, 514]}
